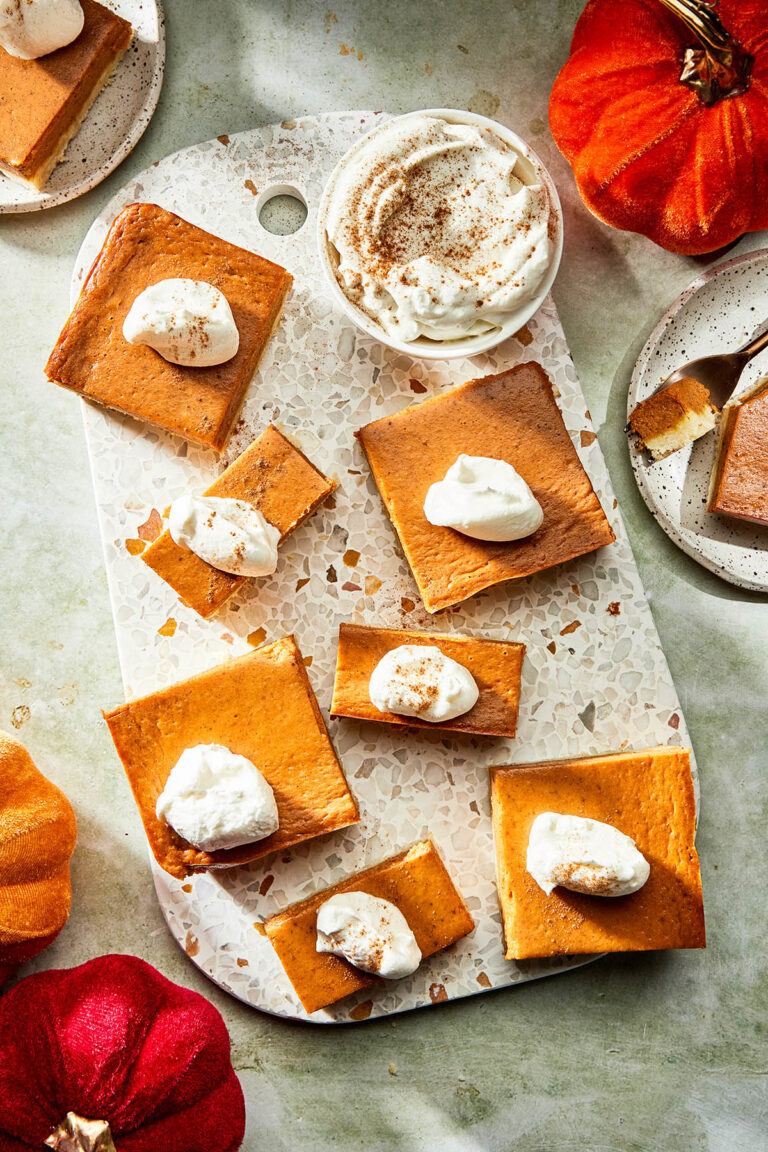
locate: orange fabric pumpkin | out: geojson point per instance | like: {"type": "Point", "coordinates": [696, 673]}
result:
{"type": "Point", "coordinates": [683, 161]}
{"type": "Point", "coordinates": [37, 839]}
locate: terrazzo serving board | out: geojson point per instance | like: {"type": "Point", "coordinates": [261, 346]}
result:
{"type": "Point", "coordinates": [718, 312]}
{"type": "Point", "coordinates": [594, 680]}
{"type": "Point", "coordinates": [116, 122]}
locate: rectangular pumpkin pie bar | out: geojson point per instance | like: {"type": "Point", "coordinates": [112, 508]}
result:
{"type": "Point", "coordinates": [646, 795]}
{"type": "Point", "coordinates": [512, 416]}
{"type": "Point", "coordinates": [416, 881]}
{"type": "Point", "coordinates": [43, 102]}
{"type": "Point", "coordinates": [739, 483]}
{"type": "Point", "coordinates": [279, 481]}
{"type": "Point", "coordinates": [495, 665]}
{"type": "Point", "coordinates": [260, 706]}
{"type": "Point", "coordinates": [146, 244]}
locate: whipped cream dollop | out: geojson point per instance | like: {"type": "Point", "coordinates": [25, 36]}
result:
{"type": "Point", "coordinates": [369, 932]}
{"type": "Point", "coordinates": [188, 322]}
{"type": "Point", "coordinates": [228, 534]}
{"type": "Point", "coordinates": [419, 680]}
{"type": "Point", "coordinates": [484, 498]}
{"type": "Point", "coordinates": [433, 230]}
{"type": "Point", "coordinates": [33, 28]}
{"type": "Point", "coordinates": [584, 855]}
{"type": "Point", "coordinates": [216, 799]}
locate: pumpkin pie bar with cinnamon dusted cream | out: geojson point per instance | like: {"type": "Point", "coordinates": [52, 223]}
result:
{"type": "Point", "coordinates": [146, 245]}
{"type": "Point", "coordinates": [739, 482]}
{"type": "Point", "coordinates": [511, 417]}
{"type": "Point", "coordinates": [673, 417]}
{"type": "Point", "coordinates": [44, 101]}
{"type": "Point", "coordinates": [495, 666]}
{"type": "Point", "coordinates": [275, 478]}
{"type": "Point", "coordinates": [260, 706]}
{"type": "Point", "coordinates": [415, 881]}
{"type": "Point", "coordinates": [646, 796]}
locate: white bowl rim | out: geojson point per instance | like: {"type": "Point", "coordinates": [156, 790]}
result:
{"type": "Point", "coordinates": [473, 345]}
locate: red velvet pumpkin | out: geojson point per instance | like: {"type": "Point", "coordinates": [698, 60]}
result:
{"type": "Point", "coordinates": [114, 1040]}
{"type": "Point", "coordinates": [683, 161]}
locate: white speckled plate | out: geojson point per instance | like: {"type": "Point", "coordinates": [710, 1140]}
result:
{"type": "Point", "coordinates": [115, 123]}
{"type": "Point", "coordinates": [718, 312]}
{"type": "Point", "coordinates": [595, 678]}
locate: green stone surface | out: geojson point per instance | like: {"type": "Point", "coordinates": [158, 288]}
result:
{"type": "Point", "coordinates": [633, 1053]}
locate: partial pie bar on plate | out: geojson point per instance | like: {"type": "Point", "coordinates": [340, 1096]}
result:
{"type": "Point", "coordinates": [44, 102]}
{"type": "Point", "coordinates": [260, 706]}
{"type": "Point", "coordinates": [495, 665]}
{"type": "Point", "coordinates": [145, 245]}
{"type": "Point", "coordinates": [416, 881]}
{"type": "Point", "coordinates": [646, 795]}
{"type": "Point", "coordinates": [273, 476]}
{"type": "Point", "coordinates": [739, 483]}
{"type": "Point", "coordinates": [673, 417]}
{"type": "Point", "coordinates": [512, 416]}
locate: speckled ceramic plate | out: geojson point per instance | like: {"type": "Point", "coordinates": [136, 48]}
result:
{"type": "Point", "coordinates": [115, 123]}
{"type": "Point", "coordinates": [594, 680]}
{"type": "Point", "coordinates": [718, 312]}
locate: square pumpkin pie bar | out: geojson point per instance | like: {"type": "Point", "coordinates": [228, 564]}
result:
{"type": "Point", "coordinates": [43, 102]}
{"type": "Point", "coordinates": [144, 245]}
{"type": "Point", "coordinates": [495, 666]}
{"type": "Point", "coordinates": [647, 796]}
{"type": "Point", "coordinates": [273, 476]}
{"type": "Point", "coordinates": [513, 417]}
{"type": "Point", "coordinates": [739, 483]}
{"type": "Point", "coordinates": [415, 881]}
{"type": "Point", "coordinates": [260, 706]}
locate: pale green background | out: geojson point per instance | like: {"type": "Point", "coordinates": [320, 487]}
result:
{"type": "Point", "coordinates": [648, 1052]}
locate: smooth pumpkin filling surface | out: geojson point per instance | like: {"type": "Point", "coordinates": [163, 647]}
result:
{"type": "Point", "coordinates": [646, 795]}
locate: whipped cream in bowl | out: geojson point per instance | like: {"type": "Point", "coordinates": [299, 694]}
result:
{"type": "Point", "coordinates": [440, 233]}
{"type": "Point", "coordinates": [30, 29]}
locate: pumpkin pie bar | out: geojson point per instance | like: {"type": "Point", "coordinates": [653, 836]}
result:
{"type": "Point", "coordinates": [416, 881]}
{"type": "Point", "coordinates": [739, 482]}
{"type": "Point", "coordinates": [495, 665]}
{"type": "Point", "coordinates": [43, 102]}
{"type": "Point", "coordinates": [646, 795]}
{"type": "Point", "coordinates": [273, 476]}
{"type": "Point", "coordinates": [673, 417]}
{"type": "Point", "coordinates": [512, 416]}
{"type": "Point", "coordinates": [260, 706]}
{"type": "Point", "coordinates": [92, 357]}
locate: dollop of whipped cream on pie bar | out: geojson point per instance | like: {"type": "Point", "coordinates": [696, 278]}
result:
{"type": "Point", "coordinates": [33, 28]}
{"type": "Point", "coordinates": [484, 498]}
{"type": "Point", "coordinates": [419, 680]}
{"type": "Point", "coordinates": [228, 534]}
{"type": "Point", "coordinates": [584, 855]}
{"type": "Point", "coordinates": [370, 933]}
{"type": "Point", "coordinates": [216, 799]}
{"type": "Point", "coordinates": [433, 230]}
{"type": "Point", "coordinates": [189, 322]}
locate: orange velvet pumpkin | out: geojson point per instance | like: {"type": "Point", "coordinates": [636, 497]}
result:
{"type": "Point", "coordinates": [37, 838]}
{"type": "Point", "coordinates": [666, 125]}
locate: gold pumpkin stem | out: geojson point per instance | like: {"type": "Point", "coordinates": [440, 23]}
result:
{"type": "Point", "coordinates": [717, 66]}
{"type": "Point", "coordinates": [76, 1134]}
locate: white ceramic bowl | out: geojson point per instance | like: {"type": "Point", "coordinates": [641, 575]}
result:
{"type": "Point", "coordinates": [424, 348]}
